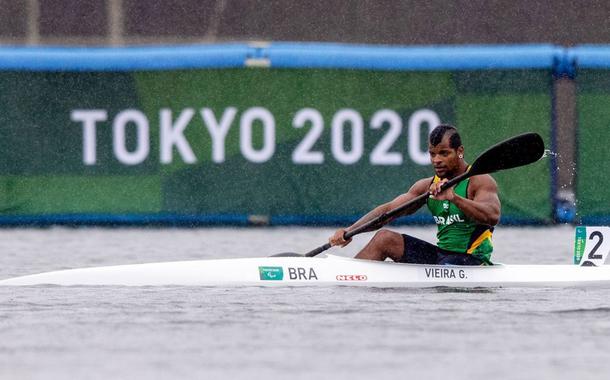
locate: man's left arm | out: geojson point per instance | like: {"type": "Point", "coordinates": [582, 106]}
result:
{"type": "Point", "coordinates": [484, 207]}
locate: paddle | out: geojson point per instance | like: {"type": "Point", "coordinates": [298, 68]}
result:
{"type": "Point", "coordinates": [514, 152]}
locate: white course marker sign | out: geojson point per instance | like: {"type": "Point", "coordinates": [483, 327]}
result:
{"type": "Point", "coordinates": [591, 245]}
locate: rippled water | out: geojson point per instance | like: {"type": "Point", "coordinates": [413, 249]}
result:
{"type": "Point", "coordinates": [339, 333]}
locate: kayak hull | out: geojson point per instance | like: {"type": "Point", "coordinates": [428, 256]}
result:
{"type": "Point", "coordinates": [327, 270]}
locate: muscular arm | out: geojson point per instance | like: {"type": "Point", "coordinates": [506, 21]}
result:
{"type": "Point", "coordinates": [482, 204]}
{"type": "Point", "coordinates": [420, 187]}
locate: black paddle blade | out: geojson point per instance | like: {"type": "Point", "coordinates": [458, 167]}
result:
{"type": "Point", "coordinates": [287, 254]}
{"type": "Point", "coordinates": [514, 152]}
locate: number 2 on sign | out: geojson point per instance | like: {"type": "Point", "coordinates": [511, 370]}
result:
{"type": "Point", "coordinates": [592, 255]}
{"type": "Point", "coordinates": [595, 247]}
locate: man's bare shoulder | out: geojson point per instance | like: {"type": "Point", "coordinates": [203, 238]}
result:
{"type": "Point", "coordinates": [421, 186]}
{"type": "Point", "coordinates": [483, 181]}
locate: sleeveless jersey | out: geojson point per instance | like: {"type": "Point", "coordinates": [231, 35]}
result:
{"type": "Point", "coordinates": [455, 231]}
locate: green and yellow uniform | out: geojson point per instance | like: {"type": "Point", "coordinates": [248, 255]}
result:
{"type": "Point", "coordinates": [456, 232]}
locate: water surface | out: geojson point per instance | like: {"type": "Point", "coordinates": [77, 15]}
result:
{"type": "Point", "coordinates": [50, 332]}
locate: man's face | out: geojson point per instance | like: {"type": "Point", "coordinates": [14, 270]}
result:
{"type": "Point", "coordinates": [445, 159]}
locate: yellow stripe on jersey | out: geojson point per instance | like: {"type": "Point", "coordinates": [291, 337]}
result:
{"type": "Point", "coordinates": [479, 241]}
{"type": "Point", "coordinates": [438, 179]}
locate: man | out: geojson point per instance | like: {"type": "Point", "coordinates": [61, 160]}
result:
{"type": "Point", "coordinates": [465, 214]}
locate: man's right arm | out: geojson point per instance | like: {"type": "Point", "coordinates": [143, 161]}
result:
{"type": "Point", "coordinates": [420, 187]}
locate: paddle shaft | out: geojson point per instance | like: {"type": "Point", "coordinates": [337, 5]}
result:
{"type": "Point", "coordinates": [382, 219]}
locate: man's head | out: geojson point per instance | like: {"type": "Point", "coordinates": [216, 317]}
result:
{"type": "Point", "coordinates": [446, 150]}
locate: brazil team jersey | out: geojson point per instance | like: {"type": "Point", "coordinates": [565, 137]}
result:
{"type": "Point", "coordinates": [456, 232]}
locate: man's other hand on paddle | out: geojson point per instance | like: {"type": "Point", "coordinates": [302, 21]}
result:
{"type": "Point", "coordinates": [338, 238]}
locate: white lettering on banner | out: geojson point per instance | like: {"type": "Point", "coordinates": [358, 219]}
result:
{"type": "Point", "coordinates": [142, 137]}
{"type": "Point", "coordinates": [303, 153]}
{"type": "Point", "coordinates": [381, 154]}
{"type": "Point", "coordinates": [172, 134]}
{"type": "Point", "coordinates": [89, 118]}
{"type": "Point", "coordinates": [259, 121]}
{"type": "Point", "coordinates": [354, 119]}
{"type": "Point", "coordinates": [419, 156]}
{"type": "Point", "coordinates": [245, 134]}
{"type": "Point", "coordinates": [218, 131]}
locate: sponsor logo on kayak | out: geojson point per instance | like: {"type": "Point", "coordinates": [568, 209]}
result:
{"type": "Point", "coordinates": [445, 273]}
{"type": "Point", "coordinates": [351, 277]}
{"type": "Point", "coordinates": [271, 273]}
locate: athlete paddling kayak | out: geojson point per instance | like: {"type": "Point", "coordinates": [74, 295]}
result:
{"type": "Point", "coordinates": [465, 214]}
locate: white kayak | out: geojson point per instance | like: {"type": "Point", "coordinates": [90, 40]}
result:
{"type": "Point", "coordinates": [590, 252]}
{"type": "Point", "coordinates": [326, 270]}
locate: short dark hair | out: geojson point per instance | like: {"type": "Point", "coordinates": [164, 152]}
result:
{"type": "Point", "coordinates": [437, 134]}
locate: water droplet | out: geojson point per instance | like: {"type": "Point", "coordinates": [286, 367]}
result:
{"type": "Point", "coordinates": [548, 152]}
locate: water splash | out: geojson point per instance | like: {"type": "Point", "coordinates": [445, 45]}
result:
{"type": "Point", "coordinates": [548, 152]}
